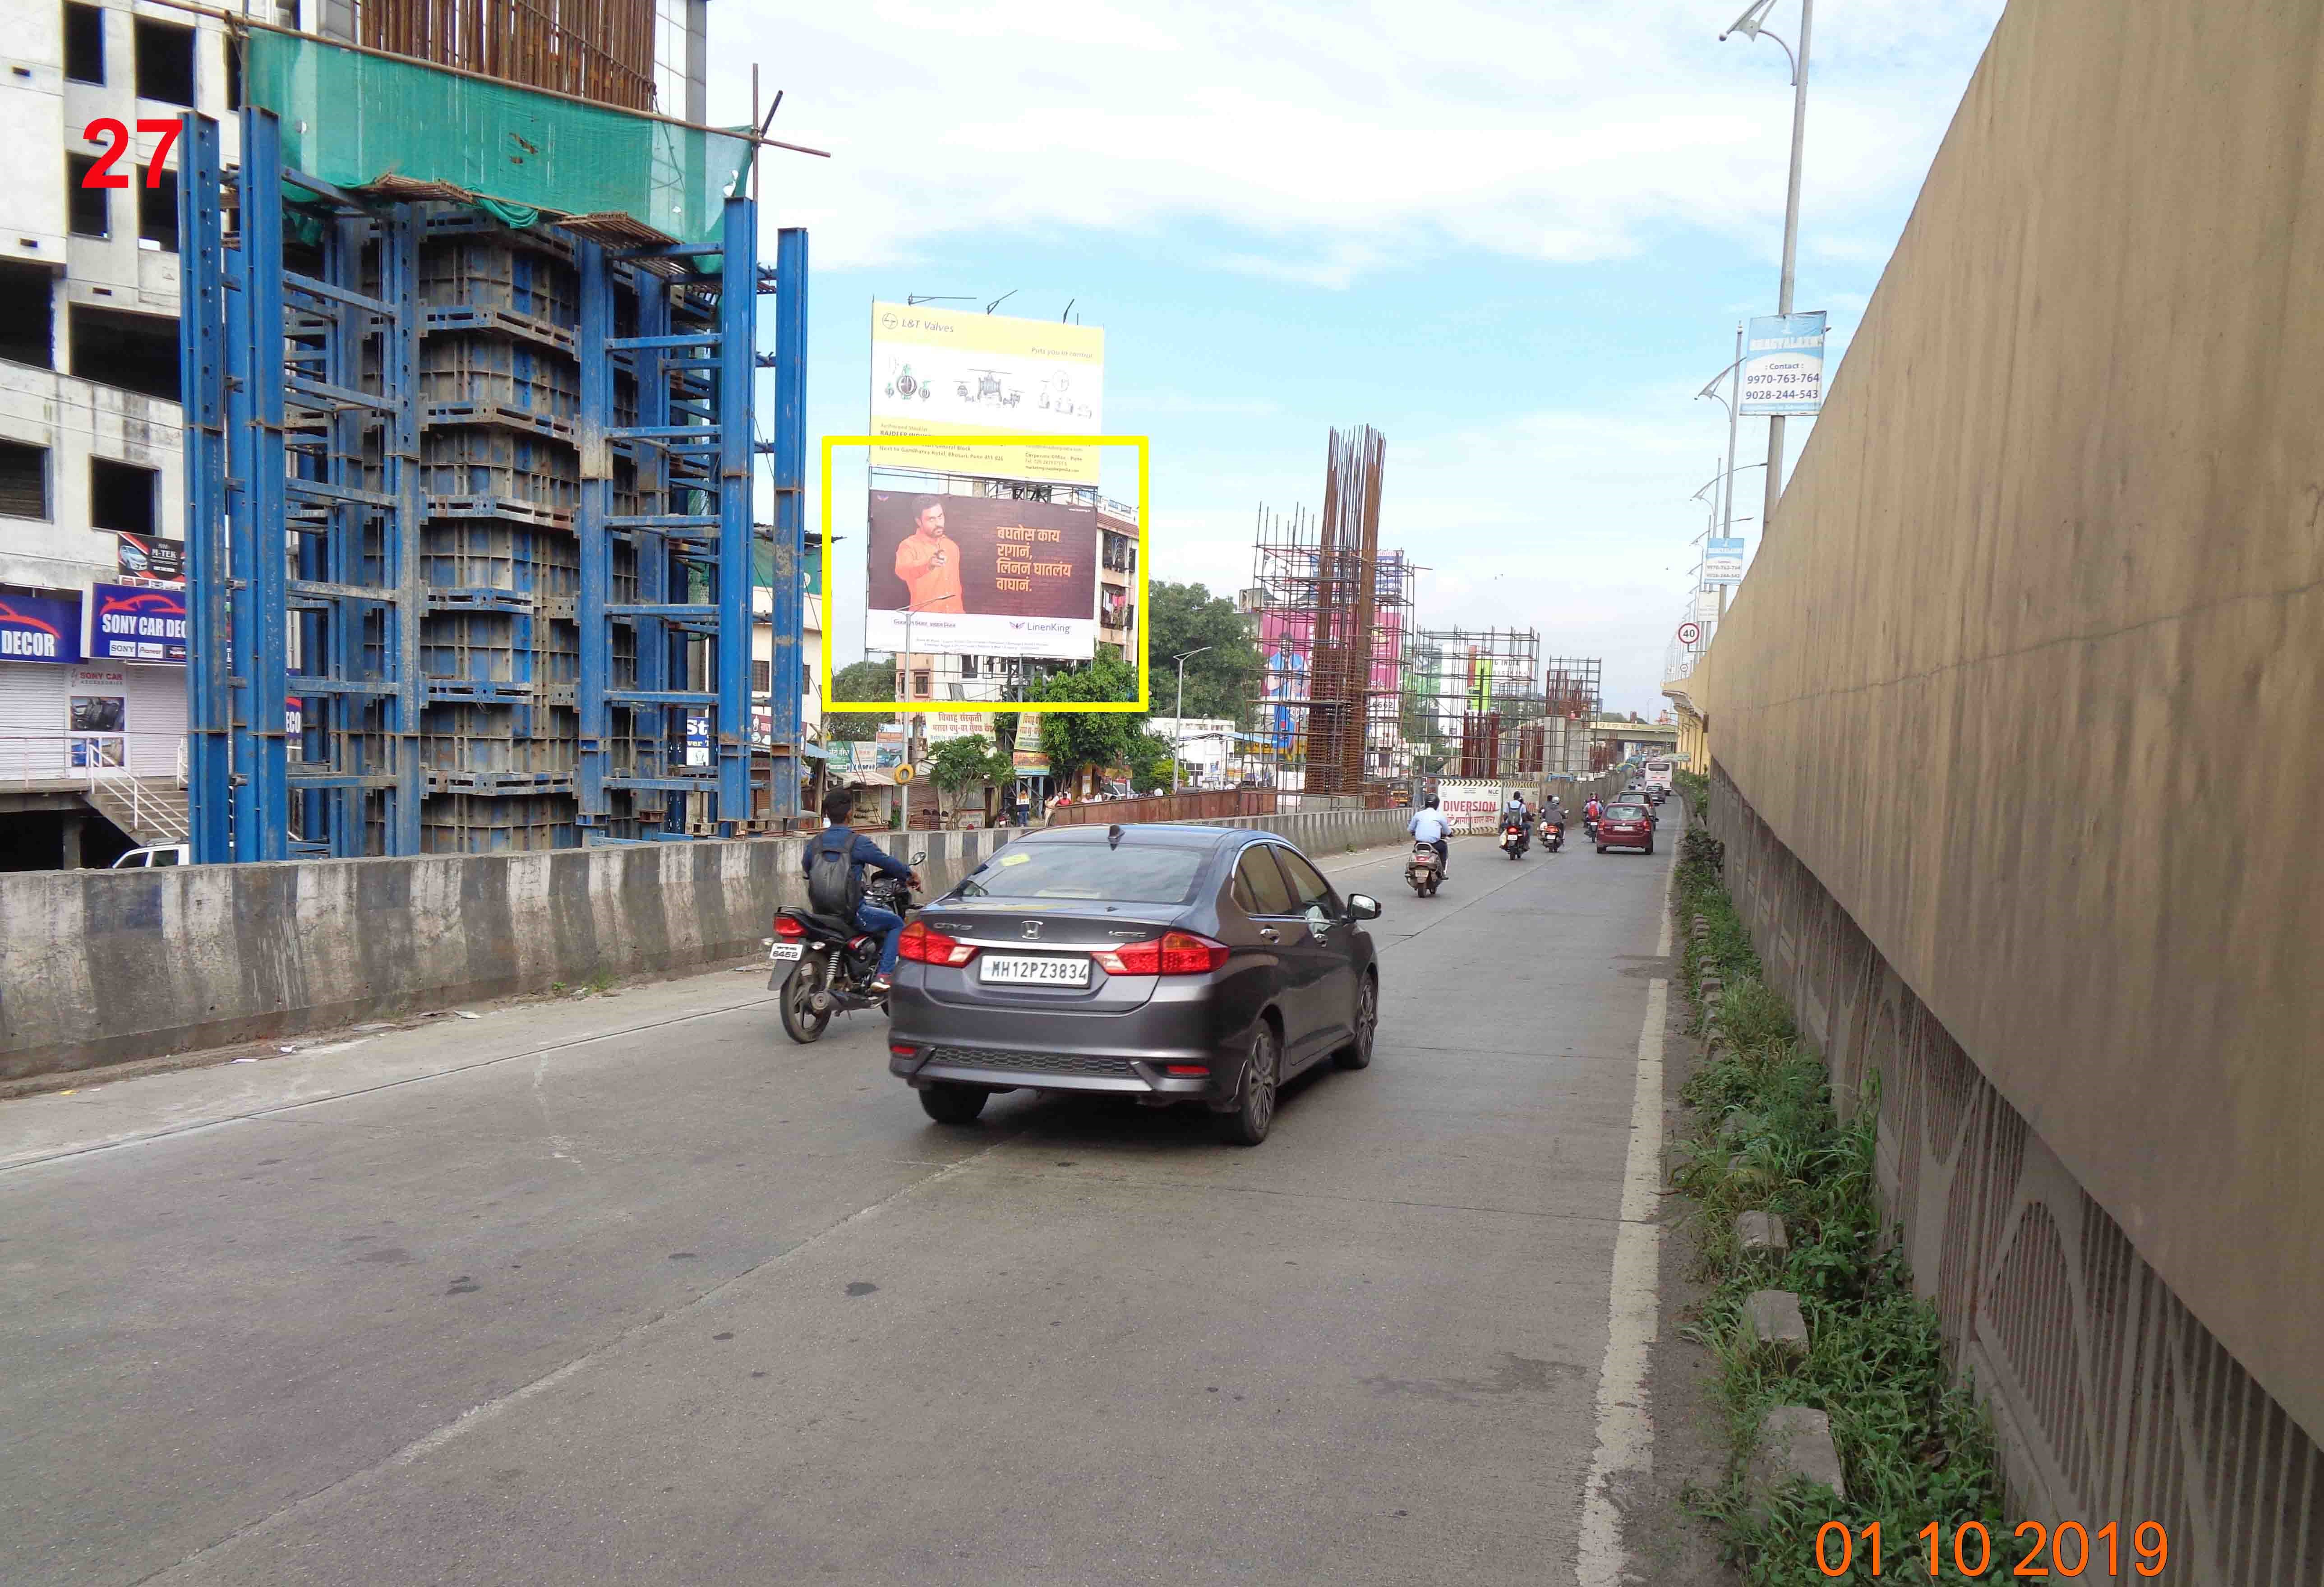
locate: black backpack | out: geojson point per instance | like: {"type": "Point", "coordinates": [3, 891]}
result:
{"type": "Point", "coordinates": [834, 883]}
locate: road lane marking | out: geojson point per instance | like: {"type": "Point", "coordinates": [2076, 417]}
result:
{"type": "Point", "coordinates": [1625, 1428]}
{"type": "Point", "coordinates": [274, 1111]}
{"type": "Point", "coordinates": [476, 1416]}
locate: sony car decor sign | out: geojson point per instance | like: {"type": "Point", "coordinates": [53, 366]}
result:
{"type": "Point", "coordinates": [129, 623]}
{"type": "Point", "coordinates": [40, 628]}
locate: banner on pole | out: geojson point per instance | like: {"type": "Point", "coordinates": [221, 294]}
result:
{"type": "Point", "coordinates": [1723, 561]}
{"type": "Point", "coordinates": [1782, 365]}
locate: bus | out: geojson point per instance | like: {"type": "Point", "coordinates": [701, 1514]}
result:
{"type": "Point", "coordinates": [1658, 774]}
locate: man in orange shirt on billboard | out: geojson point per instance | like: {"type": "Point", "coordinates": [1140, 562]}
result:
{"type": "Point", "coordinates": [928, 562]}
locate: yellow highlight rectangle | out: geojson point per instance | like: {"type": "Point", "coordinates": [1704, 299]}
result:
{"type": "Point", "coordinates": [933, 708]}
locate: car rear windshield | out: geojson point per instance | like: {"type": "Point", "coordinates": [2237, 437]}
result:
{"type": "Point", "coordinates": [1625, 812]}
{"type": "Point", "coordinates": [1133, 873]}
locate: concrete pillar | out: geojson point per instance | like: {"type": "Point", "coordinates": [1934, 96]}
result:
{"type": "Point", "coordinates": [70, 859]}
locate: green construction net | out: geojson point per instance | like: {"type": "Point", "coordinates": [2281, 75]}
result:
{"type": "Point", "coordinates": [357, 120]}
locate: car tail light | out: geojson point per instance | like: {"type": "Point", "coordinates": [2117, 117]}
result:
{"type": "Point", "coordinates": [787, 926]}
{"type": "Point", "coordinates": [924, 946]}
{"type": "Point", "coordinates": [1186, 1070]}
{"type": "Point", "coordinates": [902, 1049]}
{"type": "Point", "coordinates": [1174, 953]}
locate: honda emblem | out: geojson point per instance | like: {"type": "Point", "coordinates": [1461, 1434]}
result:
{"type": "Point", "coordinates": [1032, 929]}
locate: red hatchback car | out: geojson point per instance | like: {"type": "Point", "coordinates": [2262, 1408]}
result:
{"type": "Point", "coordinates": [1627, 825]}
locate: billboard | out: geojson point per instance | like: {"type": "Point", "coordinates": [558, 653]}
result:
{"type": "Point", "coordinates": [144, 555]}
{"type": "Point", "coordinates": [40, 628]}
{"type": "Point", "coordinates": [1723, 561]}
{"type": "Point", "coordinates": [131, 622]}
{"type": "Point", "coordinates": [938, 371]}
{"type": "Point", "coordinates": [1782, 365]}
{"type": "Point", "coordinates": [984, 575]}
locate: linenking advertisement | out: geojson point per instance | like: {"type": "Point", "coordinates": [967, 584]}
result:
{"type": "Point", "coordinates": [943, 373]}
{"type": "Point", "coordinates": [982, 575]}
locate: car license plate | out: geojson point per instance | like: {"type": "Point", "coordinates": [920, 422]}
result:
{"type": "Point", "coordinates": [783, 952]}
{"type": "Point", "coordinates": [1030, 970]}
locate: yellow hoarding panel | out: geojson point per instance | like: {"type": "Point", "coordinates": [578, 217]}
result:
{"type": "Point", "coordinates": [938, 373]}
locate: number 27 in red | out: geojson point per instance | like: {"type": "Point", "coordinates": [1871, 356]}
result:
{"type": "Point", "coordinates": [102, 174]}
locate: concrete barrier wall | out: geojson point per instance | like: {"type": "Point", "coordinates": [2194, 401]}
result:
{"type": "Point", "coordinates": [101, 966]}
{"type": "Point", "coordinates": [2109, 1396]}
{"type": "Point", "coordinates": [2028, 673]}
{"type": "Point", "coordinates": [104, 967]}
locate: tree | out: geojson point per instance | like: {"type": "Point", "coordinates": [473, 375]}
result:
{"type": "Point", "coordinates": [1072, 740]}
{"type": "Point", "coordinates": [1226, 679]}
{"type": "Point", "coordinates": [959, 764]}
{"type": "Point", "coordinates": [872, 678]}
{"type": "Point", "coordinates": [1150, 759]}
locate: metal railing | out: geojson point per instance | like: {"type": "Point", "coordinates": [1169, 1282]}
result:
{"type": "Point", "coordinates": [105, 766]}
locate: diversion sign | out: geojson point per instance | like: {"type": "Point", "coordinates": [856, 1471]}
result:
{"type": "Point", "coordinates": [982, 575]}
{"type": "Point", "coordinates": [136, 623]}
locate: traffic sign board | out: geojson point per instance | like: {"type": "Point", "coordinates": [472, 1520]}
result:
{"type": "Point", "coordinates": [1690, 633]}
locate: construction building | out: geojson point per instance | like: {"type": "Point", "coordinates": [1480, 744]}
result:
{"type": "Point", "coordinates": [493, 633]}
{"type": "Point", "coordinates": [1333, 611]}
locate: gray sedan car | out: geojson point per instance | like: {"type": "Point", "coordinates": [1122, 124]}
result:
{"type": "Point", "coordinates": [1170, 964]}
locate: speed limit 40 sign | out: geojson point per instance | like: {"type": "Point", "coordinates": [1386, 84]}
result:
{"type": "Point", "coordinates": [1690, 633]}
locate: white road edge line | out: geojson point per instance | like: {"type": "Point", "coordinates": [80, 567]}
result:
{"type": "Point", "coordinates": [1625, 1428]}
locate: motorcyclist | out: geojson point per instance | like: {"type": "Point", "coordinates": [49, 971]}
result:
{"type": "Point", "coordinates": [1428, 826]}
{"type": "Point", "coordinates": [1594, 811]}
{"type": "Point", "coordinates": [1515, 814]}
{"type": "Point", "coordinates": [838, 804]}
{"type": "Point", "coordinates": [1553, 815]}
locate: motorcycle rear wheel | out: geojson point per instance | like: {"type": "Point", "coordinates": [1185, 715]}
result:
{"type": "Point", "coordinates": [801, 1023]}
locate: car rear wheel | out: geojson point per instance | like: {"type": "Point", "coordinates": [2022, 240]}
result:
{"type": "Point", "coordinates": [1254, 1109]}
{"type": "Point", "coordinates": [948, 1102]}
{"type": "Point", "coordinates": [1650, 845]}
{"type": "Point", "coordinates": [1358, 1053]}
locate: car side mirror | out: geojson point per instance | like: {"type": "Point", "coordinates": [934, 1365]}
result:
{"type": "Point", "coordinates": [1363, 907]}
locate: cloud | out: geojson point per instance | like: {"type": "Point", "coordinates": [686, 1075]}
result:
{"type": "Point", "coordinates": [1340, 139]}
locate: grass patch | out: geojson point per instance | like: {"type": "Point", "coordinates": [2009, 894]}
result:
{"type": "Point", "coordinates": [1914, 1446]}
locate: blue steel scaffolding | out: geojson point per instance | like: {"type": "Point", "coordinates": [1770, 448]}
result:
{"type": "Point", "coordinates": [470, 522]}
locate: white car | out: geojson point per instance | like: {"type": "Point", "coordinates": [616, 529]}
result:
{"type": "Point", "coordinates": [165, 854]}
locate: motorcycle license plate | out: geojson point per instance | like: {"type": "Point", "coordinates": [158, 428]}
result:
{"type": "Point", "coordinates": [785, 951]}
{"type": "Point", "coordinates": [1029, 969]}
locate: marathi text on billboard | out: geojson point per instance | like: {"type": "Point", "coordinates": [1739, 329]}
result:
{"type": "Point", "coordinates": [941, 374]}
{"type": "Point", "coordinates": [1782, 365]}
{"type": "Point", "coordinates": [982, 575]}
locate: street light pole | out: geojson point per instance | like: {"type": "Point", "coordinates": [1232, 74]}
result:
{"type": "Point", "coordinates": [1748, 25]}
{"type": "Point", "coordinates": [1178, 722]}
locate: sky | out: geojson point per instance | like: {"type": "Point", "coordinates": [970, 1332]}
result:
{"type": "Point", "coordinates": [1515, 239]}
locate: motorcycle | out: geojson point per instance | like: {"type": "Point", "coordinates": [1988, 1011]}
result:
{"type": "Point", "coordinates": [1514, 840]}
{"type": "Point", "coordinates": [1425, 870]}
{"type": "Point", "coordinates": [1589, 826]}
{"type": "Point", "coordinates": [822, 970]}
{"type": "Point", "coordinates": [1553, 835]}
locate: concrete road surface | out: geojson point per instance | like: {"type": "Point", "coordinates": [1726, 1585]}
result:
{"type": "Point", "coordinates": [635, 1290]}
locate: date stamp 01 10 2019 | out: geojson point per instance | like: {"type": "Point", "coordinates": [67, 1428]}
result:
{"type": "Point", "coordinates": [2066, 1550]}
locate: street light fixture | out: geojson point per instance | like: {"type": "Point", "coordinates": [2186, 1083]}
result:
{"type": "Point", "coordinates": [1178, 725]}
{"type": "Point", "coordinates": [1733, 402]}
{"type": "Point", "coordinates": [1750, 24]}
